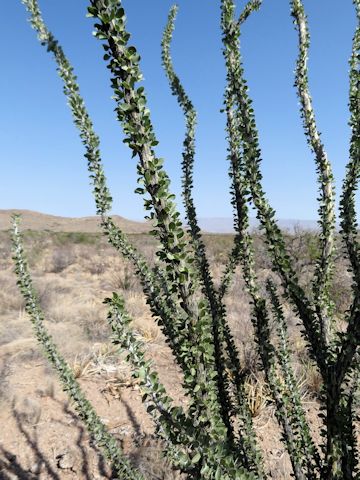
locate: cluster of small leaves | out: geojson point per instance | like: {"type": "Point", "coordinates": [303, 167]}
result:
{"type": "Point", "coordinates": [346, 345]}
{"type": "Point", "coordinates": [286, 416]}
{"type": "Point", "coordinates": [155, 288]}
{"type": "Point", "coordinates": [226, 355]}
{"type": "Point", "coordinates": [324, 270]}
{"type": "Point", "coordinates": [201, 381]}
{"type": "Point", "coordinates": [335, 362]}
{"type": "Point", "coordinates": [248, 136]}
{"type": "Point", "coordinates": [170, 421]}
{"type": "Point", "coordinates": [104, 440]}
{"type": "Point", "coordinates": [188, 145]}
{"type": "Point", "coordinates": [188, 158]}
{"type": "Point", "coordinates": [305, 449]}
{"type": "Point", "coordinates": [123, 62]}
{"type": "Point", "coordinates": [347, 203]}
{"type": "Point", "coordinates": [132, 112]}
{"type": "Point", "coordinates": [92, 143]}
{"type": "Point", "coordinates": [81, 117]}
{"type": "Point", "coordinates": [190, 448]}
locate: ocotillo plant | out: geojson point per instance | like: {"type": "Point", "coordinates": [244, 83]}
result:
{"type": "Point", "coordinates": [214, 438]}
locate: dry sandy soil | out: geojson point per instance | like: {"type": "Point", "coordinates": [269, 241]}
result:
{"type": "Point", "coordinates": [41, 437]}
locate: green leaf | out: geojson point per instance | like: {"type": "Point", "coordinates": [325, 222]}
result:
{"type": "Point", "coordinates": [196, 458]}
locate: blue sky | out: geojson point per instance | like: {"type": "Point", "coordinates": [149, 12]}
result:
{"type": "Point", "coordinates": [42, 157]}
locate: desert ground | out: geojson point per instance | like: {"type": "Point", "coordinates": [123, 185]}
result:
{"type": "Point", "coordinates": [73, 270]}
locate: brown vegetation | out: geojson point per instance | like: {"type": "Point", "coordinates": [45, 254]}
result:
{"type": "Point", "coordinates": [41, 436]}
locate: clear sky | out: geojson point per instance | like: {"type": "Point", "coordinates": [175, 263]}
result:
{"type": "Point", "coordinates": [42, 163]}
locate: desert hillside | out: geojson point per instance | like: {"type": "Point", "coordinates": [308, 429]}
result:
{"type": "Point", "coordinates": [40, 221]}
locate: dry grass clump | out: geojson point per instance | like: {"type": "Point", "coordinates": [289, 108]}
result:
{"type": "Point", "coordinates": [148, 458]}
{"type": "Point", "coordinates": [123, 278]}
{"type": "Point", "coordinates": [99, 359]}
{"type": "Point", "coordinates": [257, 394]}
{"type": "Point", "coordinates": [312, 380]}
{"type": "Point", "coordinates": [62, 258]}
{"type": "Point", "coordinates": [10, 298]}
{"type": "Point", "coordinates": [92, 319]}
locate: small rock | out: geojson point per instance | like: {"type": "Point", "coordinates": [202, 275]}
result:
{"type": "Point", "coordinates": [66, 461]}
{"type": "Point", "coordinates": [36, 467]}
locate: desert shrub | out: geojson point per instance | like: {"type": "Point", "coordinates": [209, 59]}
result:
{"type": "Point", "coordinates": [5, 249]}
{"type": "Point", "coordinates": [98, 268]}
{"type": "Point", "coordinates": [82, 238]}
{"type": "Point", "coordinates": [123, 279]}
{"type": "Point", "coordinates": [214, 437]}
{"type": "Point", "coordinates": [61, 259]}
{"type": "Point", "coordinates": [10, 300]}
{"type": "Point", "coordinates": [94, 325]}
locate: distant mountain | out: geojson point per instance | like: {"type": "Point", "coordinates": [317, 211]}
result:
{"type": "Point", "coordinates": [41, 221]}
{"type": "Point", "coordinates": [225, 224]}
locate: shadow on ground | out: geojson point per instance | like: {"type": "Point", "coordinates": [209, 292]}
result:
{"type": "Point", "coordinates": [82, 459]}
